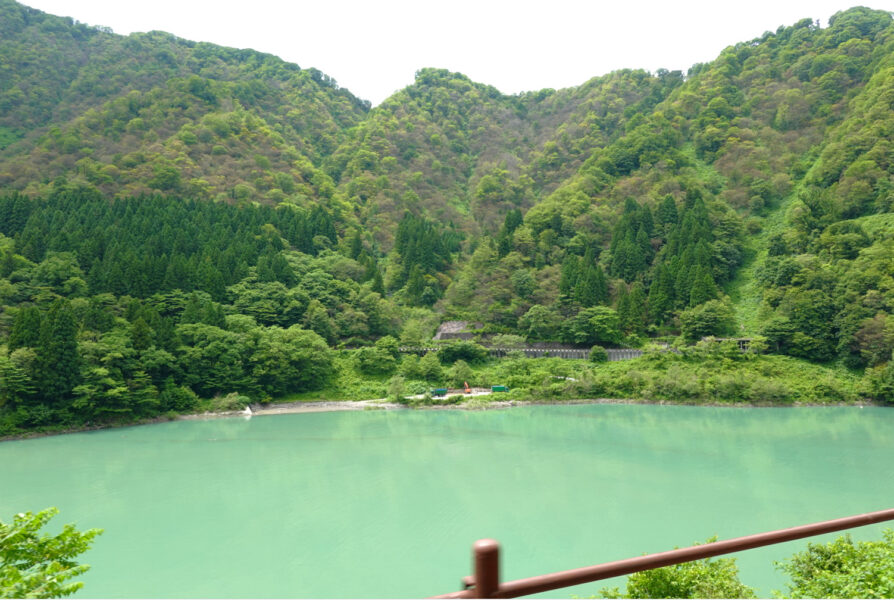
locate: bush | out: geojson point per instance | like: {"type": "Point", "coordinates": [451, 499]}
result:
{"type": "Point", "coordinates": [507, 340]}
{"type": "Point", "coordinates": [409, 367]}
{"type": "Point", "coordinates": [230, 402]}
{"type": "Point", "coordinates": [462, 350]}
{"type": "Point", "coordinates": [732, 388]}
{"type": "Point", "coordinates": [374, 361]}
{"type": "Point", "coordinates": [389, 345]}
{"type": "Point", "coordinates": [881, 382]}
{"type": "Point", "coordinates": [460, 373]}
{"type": "Point", "coordinates": [758, 345]}
{"type": "Point", "coordinates": [430, 367]}
{"type": "Point", "coordinates": [177, 398]}
{"type": "Point", "coordinates": [598, 354]}
{"type": "Point", "coordinates": [676, 385]}
{"type": "Point", "coordinates": [843, 569]}
{"type": "Point", "coordinates": [770, 391]}
{"type": "Point", "coordinates": [706, 578]}
{"type": "Point", "coordinates": [396, 388]}
{"type": "Point", "coordinates": [711, 318]}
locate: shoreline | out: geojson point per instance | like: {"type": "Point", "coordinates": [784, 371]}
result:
{"type": "Point", "coordinates": [287, 408]}
{"type": "Point", "coordinates": [321, 406]}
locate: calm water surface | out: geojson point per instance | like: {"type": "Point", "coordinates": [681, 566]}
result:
{"type": "Point", "coordinates": [387, 504]}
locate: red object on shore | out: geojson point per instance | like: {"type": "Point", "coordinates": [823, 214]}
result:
{"type": "Point", "coordinates": [468, 389]}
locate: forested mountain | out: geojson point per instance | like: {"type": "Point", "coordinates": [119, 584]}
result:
{"type": "Point", "coordinates": [181, 218]}
{"type": "Point", "coordinates": [459, 151]}
{"type": "Point", "coordinates": [152, 112]}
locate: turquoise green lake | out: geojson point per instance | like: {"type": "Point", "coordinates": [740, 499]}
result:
{"type": "Point", "coordinates": [388, 504]}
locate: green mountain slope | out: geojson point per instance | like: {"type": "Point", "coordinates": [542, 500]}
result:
{"type": "Point", "coordinates": [738, 138]}
{"type": "Point", "coordinates": [181, 221]}
{"type": "Point", "coordinates": [153, 112]}
{"type": "Point", "coordinates": [454, 150]}
{"type": "Point", "coordinates": [734, 199]}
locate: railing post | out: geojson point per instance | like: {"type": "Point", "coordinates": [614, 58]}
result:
{"type": "Point", "coordinates": [487, 568]}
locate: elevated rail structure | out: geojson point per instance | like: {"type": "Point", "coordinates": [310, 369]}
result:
{"type": "Point", "coordinates": [529, 352]}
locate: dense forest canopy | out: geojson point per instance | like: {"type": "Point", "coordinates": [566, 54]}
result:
{"type": "Point", "coordinates": [180, 220]}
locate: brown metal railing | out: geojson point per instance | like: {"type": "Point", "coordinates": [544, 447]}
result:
{"type": "Point", "coordinates": [485, 583]}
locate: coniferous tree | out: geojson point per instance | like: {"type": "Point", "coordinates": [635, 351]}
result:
{"type": "Point", "coordinates": [213, 314]}
{"type": "Point", "coordinates": [638, 308]}
{"type": "Point", "coordinates": [141, 335]}
{"type": "Point", "coordinates": [623, 308]}
{"type": "Point", "coordinates": [511, 222]}
{"type": "Point", "coordinates": [192, 313]}
{"type": "Point", "coordinates": [97, 317]}
{"type": "Point", "coordinates": [645, 248]}
{"type": "Point", "coordinates": [57, 362]}
{"type": "Point", "coordinates": [265, 270]}
{"type": "Point", "coordinates": [282, 270]}
{"type": "Point", "coordinates": [667, 213]}
{"type": "Point", "coordinates": [646, 220]}
{"type": "Point", "coordinates": [378, 285]}
{"type": "Point", "coordinates": [355, 247]}
{"type": "Point", "coordinates": [703, 287]}
{"type": "Point", "coordinates": [570, 275]}
{"type": "Point", "coordinates": [661, 295]}
{"type": "Point", "coordinates": [165, 334]}
{"type": "Point", "coordinates": [415, 285]}
{"type": "Point", "coordinates": [25, 329]}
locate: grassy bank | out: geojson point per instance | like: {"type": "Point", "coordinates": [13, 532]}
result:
{"type": "Point", "coordinates": [705, 374]}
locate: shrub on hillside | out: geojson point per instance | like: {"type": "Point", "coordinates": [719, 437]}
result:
{"type": "Point", "coordinates": [598, 354]}
{"type": "Point", "coordinates": [462, 350]}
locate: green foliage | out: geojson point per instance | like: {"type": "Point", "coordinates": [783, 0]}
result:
{"type": "Point", "coordinates": [606, 213]}
{"type": "Point", "coordinates": [375, 361]}
{"type": "Point", "coordinates": [396, 388]}
{"type": "Point", "coordinates": [598, 354]}
{"type": "Point", "coordinates": [57, 367]}
{"type": "Point", "coordinates": [461, 373]}
{"type": "Point", "coordinates": [713, 318]}
{"type": "Point", "coordinates": [881, 382]}
{"type": "Point", "coordinates": [598, 324]}
{"type": "Point", "coordinates": [220, 121]}
{"type": "Point", "coordinates": [462, 350]}
{"type": "Point", "coordinates": [842, 569]}
{"type": "Point", "coordinates": [422, 249]}
{"type": "Point", "coordinates": [430, 368]}
{"type": "Point", "coordinates": [539, 323]}
{"type": "Point", "coordinates": [177, 398]}
{"type": "Point", "coordinates": [34, 564]}
{"type": "Point", "coordinates": [227, 403]}
{"type": "Point", "coordinates": [706, 578]}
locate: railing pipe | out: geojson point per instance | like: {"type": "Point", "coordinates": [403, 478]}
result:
{"type": "Point", "coordinates": [552, 581]}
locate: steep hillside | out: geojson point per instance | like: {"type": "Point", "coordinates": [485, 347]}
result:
{"type": "Point", "coordinates": [454, 150]}
{"type": "Point", "coordinates": [180, 220]}
{"type": "Point", "coordinates": [151, 112]}
{"type": "Point", "coordinates": [727, 147]}
{"type": "Point", "coordinates": [611, 212]}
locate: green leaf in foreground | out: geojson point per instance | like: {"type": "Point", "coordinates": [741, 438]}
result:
{"type": "Point", "coordinates": [39, 565]}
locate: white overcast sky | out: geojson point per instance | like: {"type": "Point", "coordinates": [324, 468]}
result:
{"type": "Point", "coordinates": [373, 47]}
